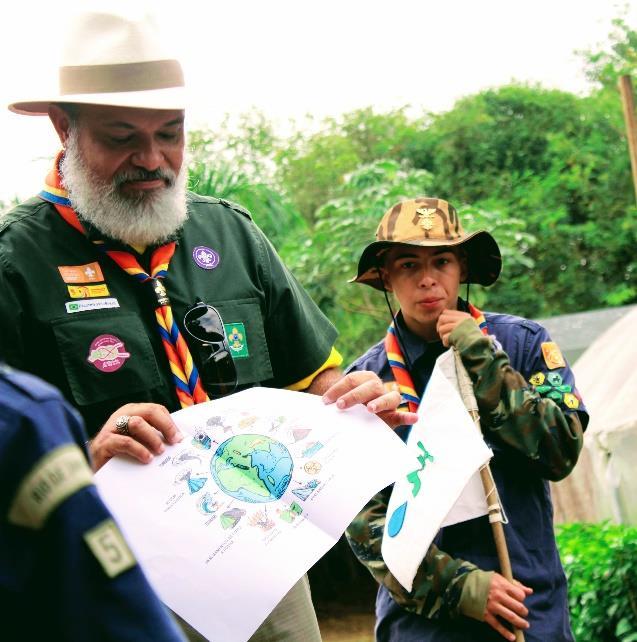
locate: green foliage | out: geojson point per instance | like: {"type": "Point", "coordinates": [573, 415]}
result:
{"type": "Point", "coordinates": [311, 167]}
{"type": "Point", "coordinates": [211, 175]}
{"type": "Point", "coordinates": [560, 163]}
{"type": "Point", "coordinates": [607, 65]}
{"type": "Point", "coordinates": [600, 561]}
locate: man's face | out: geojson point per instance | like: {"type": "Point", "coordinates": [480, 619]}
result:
{"type": "Point", "coordinates": [133, 147]}
{"type": "Point", "coordinates": [425, 280]}
{"type": "Point", "coordinates": [124, 170]}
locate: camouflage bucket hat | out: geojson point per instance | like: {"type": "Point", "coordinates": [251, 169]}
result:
{"type": "Point", "coordinates": [430, 222]}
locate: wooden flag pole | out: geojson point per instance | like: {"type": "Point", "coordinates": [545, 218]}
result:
{"type": "Point", "coordinates": [626, 90]}
{"type": "Point", "coordinates": [490, 490]}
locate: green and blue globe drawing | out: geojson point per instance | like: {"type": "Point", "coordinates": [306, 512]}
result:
{"type": "Point", "coordinates": [252, 468]}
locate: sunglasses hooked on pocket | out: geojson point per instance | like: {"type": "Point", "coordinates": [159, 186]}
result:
{"type": "Point", "coordinates": [206, 339]}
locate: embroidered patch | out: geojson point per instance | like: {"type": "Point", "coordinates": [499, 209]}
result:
{"type": "Point", "coordinates": [107, 353]}
{"type": "Point", "coordinates": [237, 340]}
{"type": "Point", "coordinates": [537, 379]}
{"type": "Point", "coordinates": [426, 218]}
{"type": "Point", "coordinates": [110, 548]}
{"type": "Point", "coordinates": [552, 355]}
{"type": "Point", "coordinates": [555, 395]}
{"type": "Point", "coordinates": [571, 401]}
{"type": "Point", "coordinates": [555, 378]}
{"type": "Point", "coordinates": [87, 291]}
{"type": "Point", "coordinates": [91, 304]}
{"type": "Point", "coordinates": [89, 273]}
{"type": "Point", "coordinates": [54, 478]}
{"type": "Point", "coordinates": [205, 257]}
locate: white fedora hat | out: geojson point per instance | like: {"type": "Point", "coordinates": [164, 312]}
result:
{"type": "Point", "coordinates": [117, 60]}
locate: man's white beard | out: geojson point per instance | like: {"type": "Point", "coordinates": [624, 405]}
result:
{"type": "Point", "coordinates": [147, 220]}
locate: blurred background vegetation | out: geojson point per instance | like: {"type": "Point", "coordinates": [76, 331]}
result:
{"type": "Point", "coordinates": [546, 171]}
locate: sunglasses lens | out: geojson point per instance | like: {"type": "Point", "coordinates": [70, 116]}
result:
{"type": "Point", "coordinates": [204, 323]}
{"type": "Point", "coordinates": [210, 350]}
{"type": "Point", "coordinates": [218, 372]}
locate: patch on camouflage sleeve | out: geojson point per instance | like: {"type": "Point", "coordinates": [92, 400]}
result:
{"type": "Point", "coordinates": [552, 355]}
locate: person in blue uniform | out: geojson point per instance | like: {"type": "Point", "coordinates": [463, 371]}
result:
{"type": "Point", "coordinates": [66, 572]}
{"type": "Point", "coordinates": [532, 418]}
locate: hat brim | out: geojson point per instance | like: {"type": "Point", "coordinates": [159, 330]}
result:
{"type": "Point", "coordinates": [483, 257]}
{"type": "Point", "coordinates": [165, 98]}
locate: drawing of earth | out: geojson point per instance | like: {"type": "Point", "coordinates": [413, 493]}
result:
{"type": "Point", "coordinates": [252, 468]}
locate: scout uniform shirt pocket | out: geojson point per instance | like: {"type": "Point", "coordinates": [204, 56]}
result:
{"type": "Point", "coordinates": [243, 324]}
{"type": "Point", "coordinates": [105, 356]}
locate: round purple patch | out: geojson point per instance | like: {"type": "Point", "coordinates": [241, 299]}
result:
{"type": "Point", "coordinates": [107, 353]}
{"type": "Point", "coordinates": [205, 257]}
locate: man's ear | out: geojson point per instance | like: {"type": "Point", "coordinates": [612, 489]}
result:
{"type": "Point", "coordinates": [61, 122]}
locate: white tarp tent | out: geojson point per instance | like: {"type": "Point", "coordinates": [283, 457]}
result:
{"type": "Point", "coordinates": [604, 483]}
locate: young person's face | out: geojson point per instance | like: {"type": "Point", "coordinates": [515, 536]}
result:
{"type": "Point", "coordinates": [425, 280]}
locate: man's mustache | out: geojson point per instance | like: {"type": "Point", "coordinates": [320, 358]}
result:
{"type": "Point", "coordinates": [145, 175]}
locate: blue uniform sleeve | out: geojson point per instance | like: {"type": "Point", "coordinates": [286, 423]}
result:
{"type": "Point", "coordinates": [551, 376]}
{"type": "Point", "coordinates": [65, 570]}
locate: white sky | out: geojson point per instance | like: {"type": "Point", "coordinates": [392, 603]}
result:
{"type": "Point", "coordinates": [293, 57]}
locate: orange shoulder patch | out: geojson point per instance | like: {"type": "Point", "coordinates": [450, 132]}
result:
{"type": "Point", "coordinates": [552, 355]}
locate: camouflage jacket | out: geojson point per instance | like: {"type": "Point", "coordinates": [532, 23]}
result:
{"type": "Point", "coordinates": [533, 419]}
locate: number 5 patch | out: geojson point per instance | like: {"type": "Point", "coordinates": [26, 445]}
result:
{"type": "Point", "coordinates": [110, 549]}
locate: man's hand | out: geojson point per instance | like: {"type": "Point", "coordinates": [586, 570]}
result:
{"type": "Point", "coordinates": [506, 601]}
{"type": "Point", "coordinates": [367, 388]}
{"type": "Point", "coordinates": [448, 321]}
{"type": "Point", "coordinates": [149, 425]}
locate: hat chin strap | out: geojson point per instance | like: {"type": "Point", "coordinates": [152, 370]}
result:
{"type": "Point", "coordinates": [399, 337]}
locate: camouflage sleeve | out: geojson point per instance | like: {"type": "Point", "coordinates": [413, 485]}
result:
{"type": "Point", "coordinates": [513, 411]}
{"type": "Point", "coordinates": [438, 585]}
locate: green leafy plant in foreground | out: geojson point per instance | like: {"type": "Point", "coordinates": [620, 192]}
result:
{"type": "Point", "coordinates": [600, 561]}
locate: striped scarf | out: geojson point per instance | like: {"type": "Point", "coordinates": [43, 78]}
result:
{"type": "Point", "coordinates": [399, 368]}
{"type": "Point", "coordinates": [185, 375]}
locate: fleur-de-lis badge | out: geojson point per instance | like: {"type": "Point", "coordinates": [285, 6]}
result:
{"type": "Point", "coordinates": [426, 218]}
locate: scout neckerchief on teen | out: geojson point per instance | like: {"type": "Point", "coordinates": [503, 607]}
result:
{"type": "Point", "coordinates": [397, 361]}
{"type": "Point", "coordinates": [185, 374]}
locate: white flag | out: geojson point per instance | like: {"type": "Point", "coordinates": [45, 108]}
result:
{"type": "Point", "coordinates": [448, 453]}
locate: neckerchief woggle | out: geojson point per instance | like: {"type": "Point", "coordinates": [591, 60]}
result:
{"type": "Point", "coordinates": [399, 368]}
{"type": "Point", "coordinates": [184, 372]}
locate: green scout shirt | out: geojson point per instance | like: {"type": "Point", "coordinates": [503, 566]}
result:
{"type": "Point", "coordinates": [61, 300]}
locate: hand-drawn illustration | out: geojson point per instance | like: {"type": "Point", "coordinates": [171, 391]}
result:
{"type": "Point", "coordinates": [261, 520]}
{"type": "Point", "coordinates": [195, 484]}
{"type": "Point", "coordinates": [312, 448]}
{"type": "Point", "coordinates": [306, 490]}
{"type": "Point", "coordinates": [247, 422]}
{"type": "Point", "coordinates": [312, 467]}
{"type": "Point", "coordinates": [298, 434]}
{"type": "Point", "coordinates": [184, 456]}
{"type": "Point", "coordinates": [252, 468]}
{"type": "Point", "coordinates": [397, 518]}
{"type": "Point", "coordinates": [202, 440]}
{"type": "Point", "coordinates": [217, 422]}
{"type": "Point", "coordinates": [291, 513]}
{"type": "Point", "coordinates": [230, 518]}
{"type": "Point", "coordinates": [208, 505]}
